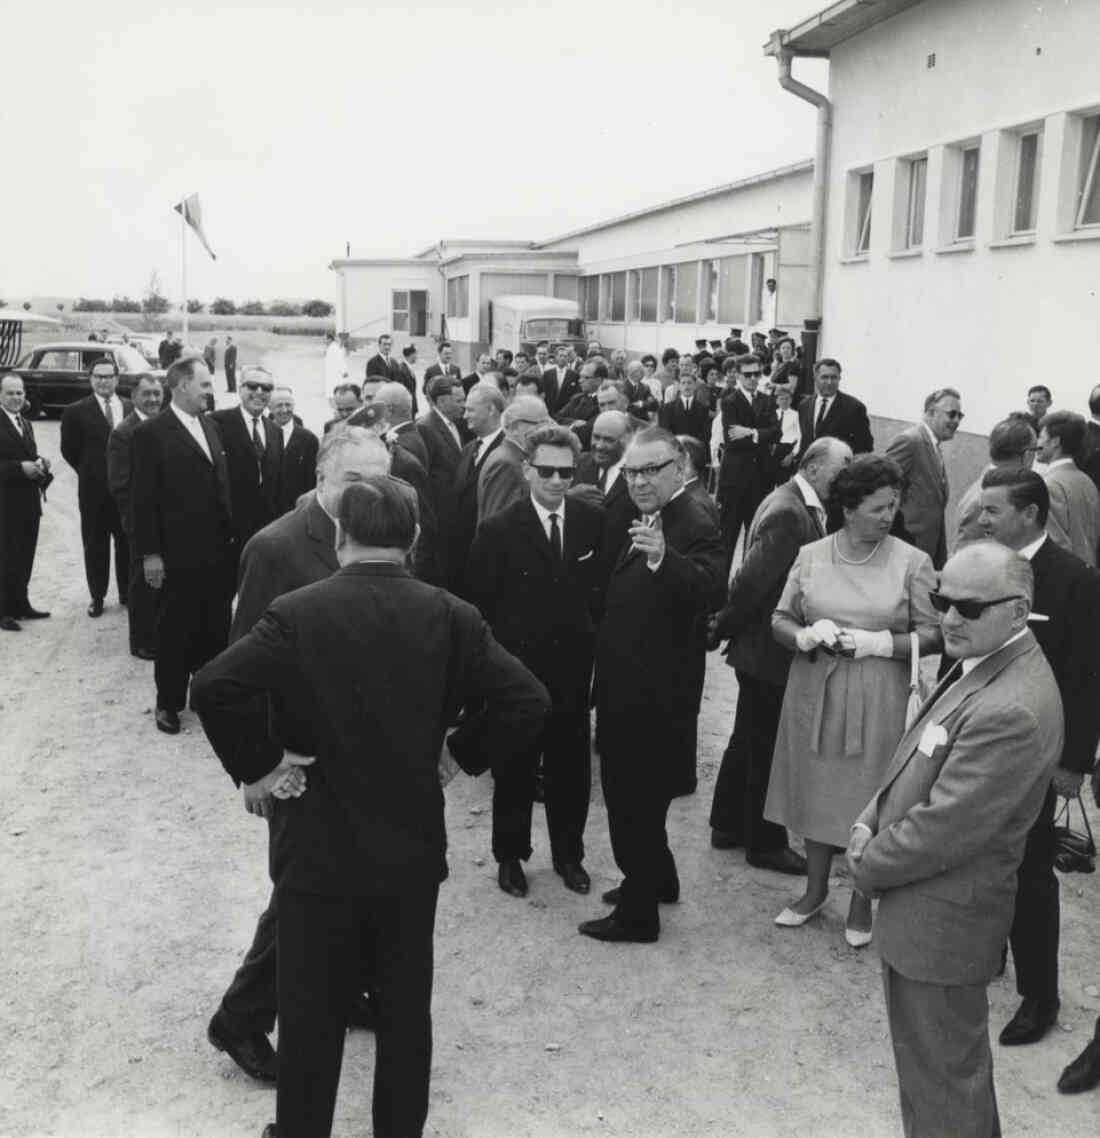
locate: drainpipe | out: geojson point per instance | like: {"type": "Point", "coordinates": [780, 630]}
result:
{"type": "Point", "coordinates": [812, 323]}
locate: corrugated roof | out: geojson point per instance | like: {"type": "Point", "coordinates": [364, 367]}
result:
{"type": "Point", "coordinates": [818, 35]}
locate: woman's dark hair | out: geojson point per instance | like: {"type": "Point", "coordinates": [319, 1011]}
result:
{"type": "Point", "coordinates": [649, 359]}
{"type": "Point", "coordinates": [865, 474]}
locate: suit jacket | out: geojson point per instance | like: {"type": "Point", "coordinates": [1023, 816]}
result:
{"type": "Point", "coordinates": [650, 638]}
{"type": "Point", "coordinates": [371, 818]}
{"type": "Point", "coordinates": [120, 466]}
{"type": "Point", "coordinates": [501, 481]}
{"type": "Point", "coordinates": [619, 508]}
{"type": "Point", "coordinates": [20, 498]}
{"type": "Point", "coordinates": [967, 514]}
{"type": "Point", "coordinates": [950, 826]}
{"type": "Point", "coordinates": [550, 388]}
{"type": "Point", "coordinates": [444, 454]}
{"type": "Point", "coordinates": [580, 406]}
{"type": "Point", "coordinates": [743, 459]}
{"type": "Point", "coordinates": [1074, 519]}
{"type": "Point", "coordinates": [406, 436]}
{"type": "Point", "coordinates": [462, 524]}
{"type": "Point", "coordinates": [1089, 461]}
{"type": "Point", "coordinates": [378, 367]}
{"type": "Point", "coordinates": [84, 435]}
{"type": "Point", "coordinates": [256, 500]}
{"type": "Point", "coordinates": [698, 491]}
{"type": "Point", "coordinates": [210, 358]}
{"type": "Point", "coordinates": [542, 612]}
{"type": "Point", "coordinates": [299, 473]}
{"type": "Point", "coordinates": [696, 422]}
{"type": "Point", "coordinates": [846, 419]}
{"type": "Point", "coordinates": [180, 500]}
{"type": "Point", "coordinates": [407, 378]}
{"type": "Point", "coordinates": [567, 386]}
{"type": "Point", "coordinates": [925, 495]}
{"type": "Point", "coordinates": [293, 551]}
{"type": "Point", "coordinates": [452, 369]}
{"type": "Point", "coordinates": [783, 523]}
{"type": "Point", "coordinates": [229, 360]}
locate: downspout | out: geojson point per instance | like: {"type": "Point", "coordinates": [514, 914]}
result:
{"type": "Point", "coordinates": [822, 151]}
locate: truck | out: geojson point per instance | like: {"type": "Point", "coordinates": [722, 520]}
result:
{"type": "Point", "coordinates": [520, 322]}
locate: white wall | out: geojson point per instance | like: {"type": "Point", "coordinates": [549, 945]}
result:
{"type": "Point", "coordinates": [991, 319]}
{"type": "Point", "coordinates": [366, 291]}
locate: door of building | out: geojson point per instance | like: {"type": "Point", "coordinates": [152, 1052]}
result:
{"type": "Point", "coordinates": [418, 312]}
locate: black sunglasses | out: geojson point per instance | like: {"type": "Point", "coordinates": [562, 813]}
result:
{"type": "Point", "coordinates": [565, 473]}
{"type": "Point", "coordinates": [253, 386]}
{"type": "Point", "coordinates": [967, 609]}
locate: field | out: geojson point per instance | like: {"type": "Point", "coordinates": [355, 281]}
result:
{"type": "Point", "coordinates": [133, 877]}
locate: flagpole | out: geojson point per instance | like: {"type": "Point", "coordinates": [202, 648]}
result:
{"type": "Point", "coordinates": [183, 263]}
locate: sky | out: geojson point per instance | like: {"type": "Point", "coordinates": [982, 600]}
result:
{"type": "Point", "coordinates": [384, 125]}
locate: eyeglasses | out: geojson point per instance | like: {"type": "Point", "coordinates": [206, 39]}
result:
{"type": "Point", "coordinates": [632, 474]}
{"type": "Point", "coordinates": [565, 473]}
{"type": "Point", "coordinates": [751, 374]}
{"type": "Point", "coordinates": [967, 609]}
{"type": "Point", "coordinates": [253, 386]}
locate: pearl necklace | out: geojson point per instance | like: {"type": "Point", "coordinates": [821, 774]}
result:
{"type": "Point", "coordinates": [848, 560]}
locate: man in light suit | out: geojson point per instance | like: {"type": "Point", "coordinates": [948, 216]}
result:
{"type": "Point", "coordinates": [940, 843]}
{"type": "Point", "coordinates": [789, 517]}
{"type": "Point", "coordinates": [917, 451]}
{"type": "Point", "coordinates": [1074, 521]}
{"type": "Point", "coordinates": [501, 479]}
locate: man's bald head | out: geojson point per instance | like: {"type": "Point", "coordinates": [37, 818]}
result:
{"type": "Point", "coordinates": [985, 571]}
{"type": "Point", "coordinates": [396, 400]}
{"type": "Point", "coordinates": [822, 461]}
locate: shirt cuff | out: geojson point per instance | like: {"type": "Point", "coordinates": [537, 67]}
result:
{"type": "Point", "coordinates": [861, 826]}
{"type": "Point", "coordinates": [653, 568]}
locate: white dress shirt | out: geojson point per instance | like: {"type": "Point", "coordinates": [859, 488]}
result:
{"type": "Point", "coordinates": [544, 518]}
{"type": "Point", "coordinates": [194, 429]}
{"type": "Point", "coordinates": [288, 430]}
{"type": "Point", "coordinates": [483, 445]}
{"type": "Point", "coordinates": [248, 420]}
{"type": "Point", "coordinates": [612, 475]}
{"type": "Point", "coordinates": [449, 425]}
{"type": "Point", "coordinates": [971, 662]}
{"type": "Point", "coordinates": [16, 421]}
{"type": "Point", "coordinates": [809, 495]}
{"type": "Point", "coordinates": [117, 413]}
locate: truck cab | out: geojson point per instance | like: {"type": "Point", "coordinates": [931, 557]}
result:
{"type": "Point", "coordinates": [520, 322]}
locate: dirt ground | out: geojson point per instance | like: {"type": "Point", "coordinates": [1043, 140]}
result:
{"type": "Point", "coordinates": [133, 877]}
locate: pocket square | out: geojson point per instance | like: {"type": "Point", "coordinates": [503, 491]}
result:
{"type": "Point", "coordinates": [934, 735]}
{"type": "Point", "coordinates": [586, 556]}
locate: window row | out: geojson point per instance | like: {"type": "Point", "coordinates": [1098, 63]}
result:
{"type": "Point", "coordinates": [1017, 188]}
{"type": "Point", "coordinates": [727, 290]}
{"type": "Point", "coordinates": [458, 296]}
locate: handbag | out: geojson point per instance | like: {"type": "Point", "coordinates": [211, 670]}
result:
{"type": "Point", "coordinates": [917, 692]}
{"type": "Point", "coordinates": [1074, 852]}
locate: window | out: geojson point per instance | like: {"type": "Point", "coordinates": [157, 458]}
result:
{"type": "Point", "coordinates": [58, 361]}
{"type": "Point", "coordinates": [709, 311]}
{"type": "Point", "coordinates": [731, 289]}
{"type": "Point", "coordinates": [968, 193]}
{"type": "Point", "coordinates": [865, 189]}
{"type": "Point", "coordinates": [590, 298]}
{"type": "Point", "coordinates": [914, 204]}
{"type": "Point", "coordinates": [458, 297]}
{"type": "Point", "coordinates": [687, 292]}
{"type": "Point", "coordinates": [668, 293]}
{"type": "Point", "coordinates": [634, 281]}
{"type": "Point", "coordinates": [647, 309]}
{"type": "Point", "coordinates": [400, 310]}
{"type": "Point", "coordinates": [1088, 177]}
{"type": "Point", "coordinates": [1026, 201]}
{"type": "Point", "coordinates": [613, 297]}
{"type": "Point", "coordinates": [756, 288]}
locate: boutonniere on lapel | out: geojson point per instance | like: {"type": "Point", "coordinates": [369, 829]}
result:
{"type": "Point", "coordinates": [934, 735]}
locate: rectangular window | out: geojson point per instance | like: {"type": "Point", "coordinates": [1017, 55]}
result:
{"type": "Point", "coordinates": [687, 292]}
{"type": "Point", "coordinates": [756, 288]}
{"type": "Point", "coordinates": [400, 310]}
{"type": "Point", "coordinates": [605, 297]}
{"type": "Point", "coordinates": [590, 297]}
{"type": "Point", "coordinates": [634, 282]}
{"type": "Point", "coordinates": [914, 210]}
{"type": "Point", "coordinates": [968, 193]}
{"type": "Point", "coordinates": [458, 297]}
{"type": "Point", "coordinates": [668, 293]}
{"type": "Point", "coordinates": [709, 311]}
{"type": "Point", "coordinates": [616, 297]}
{"type": "Point", "coordinates": [1026, 203]}
{"type": "Point", "coordinates": [1088, 177]}
{"type": "Point", "coordinates": [647, 309]}
{"type": "Point", "coordinates": [731, 289]}
{"type": "Point", "coordinates": [863, 213]}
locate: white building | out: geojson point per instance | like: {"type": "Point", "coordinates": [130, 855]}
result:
{"type": "Point", "coordinates": [962, 199]}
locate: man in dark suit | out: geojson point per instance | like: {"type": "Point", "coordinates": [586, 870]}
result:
{"type": "Point", "coordinates": [229, 362]}
{"type": "Point", "coordinates": [362, 851]}
{"type": "Point", "coordinates": [295, 550]}
{"type": "Point", "coordinates": [142, 602]}
{"type": "Point", "coordinates": [749, 428]}
{"type": "Point", "coordinates": [445, 364]}
{"type": "Point", "coordinates": [210, 355]}
{"type": "Point", "coordinates": [1014, 509]}
{"type": "Point", "coordinates": [85, 428]}
{"type": "Point", "coordinates": [347, 398]}
{"type": "Point", "coordinates": [407, 373]}
{"type": "Point", "coordinates": [599, 478]}
{"type": "Point", "coordinates": [382, 365]}
{"type": "Point", "coordinates": [688, 415]}
{"type": "Point", "coordinates": [439, 428]}
{"type": "Point", "coordinates": [1090, 459]}
{"type": "Point", "coordinates": [254, 450]}
{"type": "Point", "coordinates": [562, 382]}
{"type": "Point", "coordinates": [538, 575]}
{"type": "Point", "coordinates": [24, 474]}
{"type": "Point", "coordinates": [299, 470]}
{"type": "Point", "coordinates": [483, 366]}
{"type": "Point", "coordinates": [789, 517]}
{"type": "Point", "coordinates": [183, 532]}
{"type": "Point", "coordinates": [397, 406]}
{"type": "Point", "coordinates": [670, 575]}
{"type": "Point", "coordinates": [582, 407]}
{"type": "Point", "coordinates": [830, 411]}
{"type": "Point", "coordinates": [940, 842]}
{"type": "Point", "coordinates": [501, 479]}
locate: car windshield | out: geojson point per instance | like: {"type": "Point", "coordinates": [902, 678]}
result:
{"type": "Point", "coordinates": [547, 328]}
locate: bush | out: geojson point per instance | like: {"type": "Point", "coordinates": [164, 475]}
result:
{"type": "Point", "coordinates": [317, 308]}
{"type": "Point", "coordinates": [223, 307]}
{"type": "Point", "coordinates": [194, 306]}
{"type": "Point", "coordinates": [155, 305]}
{"type": "Point", "coordinates": [86, 305]}
{"type": "Point", "coordinates": [284, 308]}
{"type": "Point", "coordinates": [251, 308]}
{"type": "Point", "coordinates": [125, 304]}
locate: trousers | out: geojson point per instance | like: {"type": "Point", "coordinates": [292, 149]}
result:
{"type": "Point", "coordinates": [192, 627]}
{"type": "Point", "coordinates": [99, 526]}
{"type": "Point", "coordinates": [1034, 936]}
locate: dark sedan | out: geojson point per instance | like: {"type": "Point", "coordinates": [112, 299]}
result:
{"type": "Point", "coordinates": [55, 375]}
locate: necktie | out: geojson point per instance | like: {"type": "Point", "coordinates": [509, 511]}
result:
{"type": "Point", "coordinates": [257, 439]}
{"type": "Point", "coordinates": [821, 417]}
{"type": "Point", "coordinates": [601, 479]}
{"type": "Point", "coordinates": [109, 413]}
{"type": "Point", "coordinates": [555, 537]}
{"type": "Point", "coordinates": [687, 404]}
{"type": "Point", "coordinates": [819, 515]}
{"type": "Point", "coordinates": [20, 424]}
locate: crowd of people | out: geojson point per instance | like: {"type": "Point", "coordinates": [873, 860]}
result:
{"type": "Point", "coordinates": [553, 535]}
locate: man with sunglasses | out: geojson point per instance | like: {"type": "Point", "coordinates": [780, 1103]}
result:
{"type": "Point", "coordinates": [940, 843]}
{"type": "Point", "coordinates": [917, 451]}
{"type": "Point", "coordinates": [538, 575]}
{"type": "Point", "coordinates": [254, 450]}
{"type": "Point", "coordinates": [1014, 510]}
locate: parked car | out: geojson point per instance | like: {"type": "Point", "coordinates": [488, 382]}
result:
{"type": "Point", "coordinates": [55, 375]}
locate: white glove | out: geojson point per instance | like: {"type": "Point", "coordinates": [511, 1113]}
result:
{"type": "Point", "coordinates": [826, 631]}
{"type": "Point", "coordinates": [805, 640]}
{"type": "Point", "coordinates": [870, 643]}
{"type": "Point", "coordinates": [810, 637]}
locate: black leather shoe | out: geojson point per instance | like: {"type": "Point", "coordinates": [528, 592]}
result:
{"type": "Point", "coordinates": [1084, 1072]}
{"type": "Point", "coordinates": [362, 1014]}
{"type": "Point", "coordinates": [32, 614]}
{"type": "Point", "coordinates": [610, 929]}
{"type": "Point", "coordinates": [10, 624]}
{"type": "Point", "coordinates": [96, 608]}
{"type": "Point", "coordinates": [254, 1055]}
{"type": "Point", "coordinates": [574, 875]}
{"type": "Point", "coordinates": [779, 861]}
{"type": "Point", "coordinates": [168, 721]}
{"type": "Point", "coordinates": [666, 896]}
{"type": "Point", "coordinates": [720, 840]}
{"type": "Point", "coordinates": [511, 878]}
{"type": "Point", "coordinates": [143, 653]}
{"type": "Point", "coordinates": [1030, 1023]}
{"type": "Point", "coordinates": [270, 1131]}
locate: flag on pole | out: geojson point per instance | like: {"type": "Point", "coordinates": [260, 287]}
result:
{"type": "Point", "coordinates": [192, 214]}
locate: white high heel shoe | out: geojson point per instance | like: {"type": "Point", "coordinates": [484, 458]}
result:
{"type": "Point", "coordinates": [789, 919]}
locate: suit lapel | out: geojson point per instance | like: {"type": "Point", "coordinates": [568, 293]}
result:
{"type": "Point", "coordinates": [536, 534]}
{"type": "Point", "coordinates": [9, 426]}
{"type": "Point", "coordinates": [810, 513]}
{"type": "Point", "coordinates": [321, 529]}
{"type": "Point", "coordinates": [185, 434]}
{"type": "Point", "coordinates": [221, 466]}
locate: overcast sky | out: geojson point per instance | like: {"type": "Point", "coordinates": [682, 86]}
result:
{"type": "Point", "coordinates": [387, 125]}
